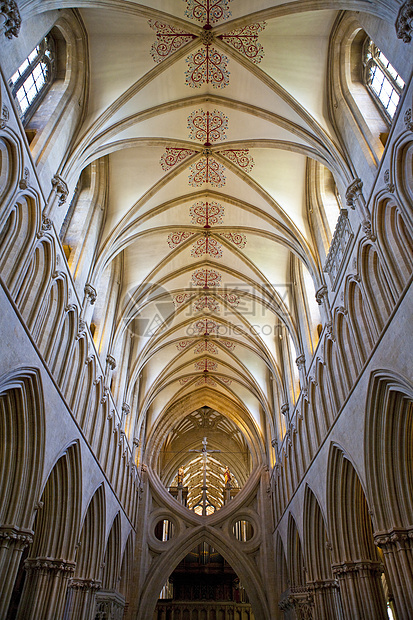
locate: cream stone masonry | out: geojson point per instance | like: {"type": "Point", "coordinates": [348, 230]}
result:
{"type": "Point", "coordinates": [206, 239]}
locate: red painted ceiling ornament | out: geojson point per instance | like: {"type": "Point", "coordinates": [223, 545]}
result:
{"type": "Point", "coordinates": [207, 245]}
{"type": "Point", "coordinates": [208, 11]}
{"type": "Point", "coordinates": [206, 365]}
{"type": "Point", "coordinates": [240, 157]}
{"type": "Point", "coordinates": [171, 157]}
{"type": "Point", "coordinates": [207, 170]}
{"type": "Point", "coordinates": [228, 344]}
{"type": "Point", "coordinates": [231, 298]}
{"type": "Point", "coordinates": [185, 380]}
{"type": "Point", "coordinates": [181, 298]}
{"type": "Point", "coordinates": [207, 66]}
{"type": "Point", "coordinates": [206, 346]}
{"type": "Point", "coordinates": [184, 344]}
{"type": "Point", "coordinates": [178, 237]}
{"type": "Point", "coordinates": [226, 380]}
{"type": "Point", "coordinates": [238, 239]}
{"type": "Point", "coordinates": [206, 380]}
{"type": "Point", "coordinates": [168, 40]}
{"type": "Point", "coordinates": [207, 127]}
{"type": "Point", "coordinates": [205, 326]}
{"type": "Point", "coordinates": [206, 303]}
{"type": "Point", "coordinates": [207, 214]}
{"type": "Point", "coordinates": [245, 41]}
{"type": "Point", "coordinates": [206, 278]}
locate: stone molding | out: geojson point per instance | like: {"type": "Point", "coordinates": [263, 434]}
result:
{"type": "Point", "coordinates": [300, 361]}
{"type": "Point", "coordinates": [353, 192]}
{"type": "Point", "coordinates": [12, 19]}
{"type": "Point", "coordinates": [111, 362]}
{"type": "Point", "coordinates": [404, 22]}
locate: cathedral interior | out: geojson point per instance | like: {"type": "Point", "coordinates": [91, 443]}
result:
{"type": "Point", "coordinates": [206, 258]}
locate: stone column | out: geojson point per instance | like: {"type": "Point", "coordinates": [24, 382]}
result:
{"type": "Point", "coordinates": [327, 602]}
{"type": "Point", "coordinates": [397, 548]}
{"type": "Point", "coordinates": [361, 590]}
{"type": "Point", "coordinates": [82, 604]}
{"type": "Point", "coordinates": [109, 604]}
{"type": "Point", "coordinates": [13, 541]}
{"type": "Point", "coordinates": [297, 603]}
{"type": "Point", "coordinates": [44, 592]}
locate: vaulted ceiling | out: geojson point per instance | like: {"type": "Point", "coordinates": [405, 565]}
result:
{"type": "Point", "coordinates": [208, 112]}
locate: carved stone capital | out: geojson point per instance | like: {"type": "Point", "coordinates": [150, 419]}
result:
{"type": "Point", "coordinates": [300, 361]}
{"type": "Point", "coordinates": [285, 409]}
{"type": "Point", "coordinates": [25, 180]}
{"type": "Point", "coordinates": [366, 228]}
{"type": "Point", "coordinates": [85, 585]}
{"type": "Point", "coordinates": [5, 115]}
{"type": "Point", "coordinates": [111, 362]}
{"type": "Point", "coordinates": [325, 585]}
{"type": "Point", "coordinates": [47, 225]}
{"type": "Point", "coordinates": [394, 540]}
{"type": "Point", "coordinates": [12, 19]}
{"type": "Point", "coordinates": [353, 191]}
{"type": "Point", "coordinates": [125, 409]}
{"type": "Point", "coordinates": [14, 536]}
{"type": "Point", "coordinates": [321, 294]}
{"type": "Point", "coordinates": [48, 566]}
{"type": "Point", "coordinates": [90, 293]}
{"type": "Point", "coordinates": [60, 186]}
{"type": "Point", "coordinates": [404, 22]}
{"type": "Point", "coordinates": [408, 119]}
{"type": "Point", "coordinates": [386, 178]}
{"type": "Point", "coordinates": [274, 442]}
{"type": "Point", "coordinates": [362, 568]}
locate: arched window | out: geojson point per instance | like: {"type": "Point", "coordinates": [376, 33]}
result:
{"type": "Point", "coordinates": [382, 80]}
{"type": "Point", "coordinates": [33, 78]}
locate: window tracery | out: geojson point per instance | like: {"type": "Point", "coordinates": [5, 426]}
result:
{"type": "Point", "coordinates": [33, 78]}
{"type": "Point", "coordinates": [382, 80]}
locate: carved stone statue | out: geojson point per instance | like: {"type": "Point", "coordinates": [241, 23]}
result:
{"type": "Point", "coordinates": [227, 476]}
{"type": "Point", "coordinates": [180, 476]}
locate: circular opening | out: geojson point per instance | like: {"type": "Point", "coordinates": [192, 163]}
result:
{"type": "Point", "coordinates": [164, 530]}
{"type": "Point", "coordinates": [243, 530]}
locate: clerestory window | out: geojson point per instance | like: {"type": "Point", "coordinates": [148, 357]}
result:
{"type": "Point", "coordinates": [382, 80]}
{"type": "Point", "coordinates": [33, 78]}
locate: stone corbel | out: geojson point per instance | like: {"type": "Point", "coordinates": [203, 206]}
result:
{"type": "Point", "coordinates": [404, 22]}
{"type": "Point", "coordinates": [408, 119]}
{"type": "Point", "coordinates": [90, 293]}
{"type": "Point", "coordinates": [12, 19]}
{"type": "Point", "coordinates": [5, 115]}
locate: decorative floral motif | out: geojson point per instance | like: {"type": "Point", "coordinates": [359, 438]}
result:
{"type": "Point", "coordinates": [206, 303]}
{"type": "Point", "coordinates": [208, 11]}
{"type": "Point", "coordinates": [207, 66]}
{"type": "Point", "coordinates": [238, 239]}
{"type": "Point", "coordinates": [231, 298]}
{"type": "Point", "coordinates": [205, 326]}
{"type": "Point", "coordinates": [207, 170]}
{"type": "Point", "coordinates": [240, 157]}
{"type": "Point", "coordinates": [228, 344]}
{"type": "Point", "coordinates": [206, 346]}
{"type": "Point", "coordinates": [168, 40]}
{"type": "Point", "coordinates": [207, 245]}
{"type": "Point", "coordinates": [245, 41]}
{"type": "Point", "coordinates": [206, 213]}
{"type": "Point", "coordinates": [206, 365]}
{"type": "Point", "coordinates": [184, 380]}
{"type": "Point", "coordinates": [171, 157]}
{"type": "Point", "coordinates": [184, 344]}
{"type": "Point", "coordinates": [181, 298]}
{"type": "Point", "coordinates": [207, 127]}
{"type": "Point", "coordinates": [226, 380]}
{"type": "Point", "coordinates": [176, 238]}
{"type": "Point", "coordinates": [206, 278]}
{"type": "Point", "coordinates": [206, 380]}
